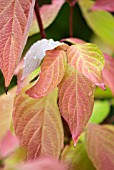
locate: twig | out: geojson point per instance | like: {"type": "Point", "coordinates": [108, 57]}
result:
{"type": "Point", "coordinates": [71, 4]}
{"type": "Point", "coordinates": [39, 20]}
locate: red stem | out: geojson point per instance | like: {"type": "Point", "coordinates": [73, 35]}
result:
{"type": "Point", "coordinates": [39, 20]}
{"type": "Point", "coordinates": [71, 4]}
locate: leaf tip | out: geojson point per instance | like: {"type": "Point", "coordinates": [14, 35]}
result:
{"type": "Point", "coordinates": [75, 140]}
{"type": "Point", "coordinates": [6, 89]}
{"type": "Point", "coordinates": [101, 85]}
{"type": "Point", "coordinates": [75, 144]}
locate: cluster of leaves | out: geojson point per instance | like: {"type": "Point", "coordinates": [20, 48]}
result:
{"type": "Point", "coordinates": [54, 97]}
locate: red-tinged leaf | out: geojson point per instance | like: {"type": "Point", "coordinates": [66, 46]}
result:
{"type": "Point", "coordinates": [52, 72]}
{"type": "Point", "coordinates": [36, 54]}
{"type": "Point", "coordinates": [6, 106]}
{"type": "Point", "coordinates": [38, 125]}
{"type": "Point", "coordinates": [42, 164]}
{"type": "Point", "coordinates": [88, 60]}
{"type": "Point", "coordinates": [108, 72]}
{"type": "Point", "coordinates": [8, 145]}
{"type": "Point", "coordinates": [100, 146]}
{"type": "Point", "coordinates": [48, 14]}
{"type": "Point", "coordinates": [104, 5]}
{"type": "Point", "coordinates": [13, 33]}
{"type": "Point", "coordinates": [73, 40]}
{"type": "Point", "coordinates": [76, 97]}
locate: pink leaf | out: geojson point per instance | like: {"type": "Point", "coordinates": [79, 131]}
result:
{"type": "Point", "coordinates": [73, 40]}
{"type": "Point", "coordinates": [76, 94]}
{"type": "Point", "coordinates": [43, 164]}
{"type": "Point", "coordinates": [108, 72]}
{"type": "Point", "coordinates": [52, 72]}
{"type": "Point", "coordinates": [104, 5]}
{"type": "Point", "coordinates": [88, 60]}
{"type": "Point", "coordinates": [100, 146]}
{"type": "Point", "coordinates": [19, 67]}
{"type": "Point", "coordinates": [15, 20]}
{"type": "Point", "coordinates": [38, 125]}
{"type": "Point", "coordinates": [8, 145]}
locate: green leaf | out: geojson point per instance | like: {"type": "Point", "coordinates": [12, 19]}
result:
{"type": "Point", "coordinates": [101, 22]}
{"type": "Point", "coordinates": [100, 111]}
{"type": "Point", "coordinates": [77, 158]}
{"type": "Point", "coordinates": [17, 157]}
{"type": "Point", "coordinates": [88, 59]}
{"type": "Point", "coordinates": [100, 94]}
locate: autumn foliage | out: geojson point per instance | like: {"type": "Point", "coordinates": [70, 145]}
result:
{"type": "Point", "coordinates": [55, 118]}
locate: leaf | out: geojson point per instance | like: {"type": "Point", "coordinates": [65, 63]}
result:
{"type": "Point", "coordinates": [6, 106]}
{"type": "Point", "coordinates": [100, 111]}
{"type": "Point", "coordinates": [102, 45]}
{"type": "Point", "coordinates": [19, 67]}
{"type": "Point", "coordinates": [38, 125]}
{"type": "Point", "coordinates": [73, 40]}
{"type": "Point", "coordinates": [36, 54]}
{"type": "Point", "coordinates": [108, 72]}
{"type": "Point", "coordinates": [48, 14]}
{"type": "Point", "coordinates": [17, 157]}
{"type": "Point", "coordinates": [100, 146]}
{"type": "Point", "coordinates": [8, 145]}
{"type": "Point", "coordinates": [52, 72]}
{"type": "Point", "coordinates": [26, 83]}
{"type": "Point", "coordinates": [104, 5]}
{"type": "Point", "coordinates": [101, 22]}
{"type": "Point", "coordinates": [88, 60]}
{"type": "Point", "coordinates": [13, 32]}
{"type": "Point", "coordinates": [101, 94]}
{"type": "Point", "coordinates": [76, 95]}
{"type": "Point", "coordinates": [77, 158]}
{"type": "Point", "coordinates": [42, 164]}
